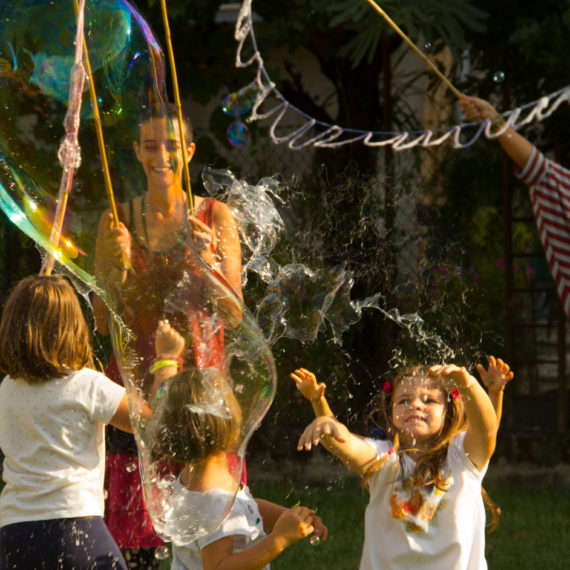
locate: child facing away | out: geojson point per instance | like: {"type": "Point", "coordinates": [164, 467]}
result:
{"type": "Point", "coordinates": [425, 477]}
{"type": "Point", "coordinates": [53, 409]}
{"type": "Point", "coordinates": [196, 421]}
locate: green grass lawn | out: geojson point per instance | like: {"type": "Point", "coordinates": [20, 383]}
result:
{"type": "Point", "coordinates": [533, 533]}
{"type": "Point", "coordinates": [534, 530]}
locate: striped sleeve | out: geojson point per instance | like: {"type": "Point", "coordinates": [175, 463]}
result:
{"type": "Point", "coordinates": [550, 196]}
{"type": "Point", "coordinates": [533, 169]}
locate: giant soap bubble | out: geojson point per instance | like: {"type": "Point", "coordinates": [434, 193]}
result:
{"type": "Point", "coordinates": [227, 374]}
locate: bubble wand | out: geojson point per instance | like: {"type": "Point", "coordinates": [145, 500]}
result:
{"type": "Point", "coordinates": [176, 91]}
{"type": "Point", "coordinates": [415, 48]}
{"type": "Point", "coordinates": [69, 153]}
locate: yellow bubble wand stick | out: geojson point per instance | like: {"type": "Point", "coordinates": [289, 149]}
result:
{"type": "Point", "coordinates": [176, 91]}
{"type": "Point", "coordinates": [415, 48]}
{"type": "Point", "coordinates": [100, 139]}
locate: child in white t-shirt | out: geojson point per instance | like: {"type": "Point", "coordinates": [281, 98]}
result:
{"type": "Point", "coordinates": [197, 421]}
{"type": "Point", "coordinates": [438, 430]}
{"type": "Point", "coordinates": [53, 409]}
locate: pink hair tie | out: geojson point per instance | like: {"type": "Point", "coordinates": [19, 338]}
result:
{"type": "Point", "coordinates": [455, 393]}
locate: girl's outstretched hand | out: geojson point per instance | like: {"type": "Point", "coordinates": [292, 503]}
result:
{"type": "Point", "coordinates": [497, 376]}
{"type": "Point", "coordinates": [457, 376]}
{"type": "Point", "coordinates": [307, 384]}
{"type": "Point", "coordinates": [294, 524]}
{"type": "Point", "coordinates": [322, 426]}
{"type": "Point", "coordinates": [168, 341]}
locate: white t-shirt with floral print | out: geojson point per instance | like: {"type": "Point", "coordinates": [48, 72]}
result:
{"type": "Point", "coordinates": [407, 527]}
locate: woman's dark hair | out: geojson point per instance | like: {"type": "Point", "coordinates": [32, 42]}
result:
{"type": "Point", "coordinates": [168, 111]}
{"type": "Point", "coordinates": [43, 333]}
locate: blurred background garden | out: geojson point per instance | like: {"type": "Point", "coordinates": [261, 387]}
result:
{"type": "Point", "coordinates": [433, 250]}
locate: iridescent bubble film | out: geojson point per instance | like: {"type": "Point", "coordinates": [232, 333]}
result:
{"type": "Point", "coordinates": [238, 134]}
{"type": "Point", "coordinates": [222, 343]}
{"type": "Point", "coordinates": [239, 103]}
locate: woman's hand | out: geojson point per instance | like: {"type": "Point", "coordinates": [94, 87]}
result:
{"type": "Point", "coordinates": [113, 252]}
{"type": "Point", "coordinates": [116, 242]}
{"type": "Point", "coordinates": [204, 239]}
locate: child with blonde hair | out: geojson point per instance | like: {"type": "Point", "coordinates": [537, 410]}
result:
{"type": "Point", "coordinates": [425, 476]}
{"type": "Point", "coordinates": [197, 422]}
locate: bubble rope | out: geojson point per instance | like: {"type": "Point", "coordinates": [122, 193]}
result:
{"type": "Point", "coordinates": [335, 136]}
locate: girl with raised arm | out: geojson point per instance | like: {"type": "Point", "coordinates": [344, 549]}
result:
{"type": "Point", "coordinates": [426, 508]}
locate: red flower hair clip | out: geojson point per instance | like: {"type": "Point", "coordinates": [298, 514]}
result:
{"type": "Point", "coordinates": [454, 393]}
{"type": "Point", "coordinates": [387, 387]}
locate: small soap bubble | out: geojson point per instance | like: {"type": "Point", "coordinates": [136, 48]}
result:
{"type": "Point", "coordinates": [161, 552]}
{"type": "Point", "coordinates": [240, 102]}
{"type": "Point", "coordinates": [499, 76]}
{"type": "Point", "coordinates": [238, 134]}
{"type": "Point", "coordinates": [427, 46]}
{"type": "Point", "coordinates": [315, 540]}
{"type": "Point", "coordinates": [233, 107]}
{"type": "Point", "coordinates": [130, 467]}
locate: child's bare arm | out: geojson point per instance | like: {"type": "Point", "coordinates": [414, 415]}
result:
{"type": "Point", "coordinates": [168, 346]}
{"type": "Point", "coordinates": [307, 384]}
{"type": "Point", "coordinates": [270, 512]}
{"type": "Point", "coordinates": [514, 144]}
{"type": "Point", "coordinates": [121, 418]}
{"type": "Point", "coordinates": [350, 448]}
{"type": "Point", "coordinates": [290, 527]}
{"type": "Point", "coordinates": [481, 435]}
{"type": "Point", "coordinates": [495, 378]}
